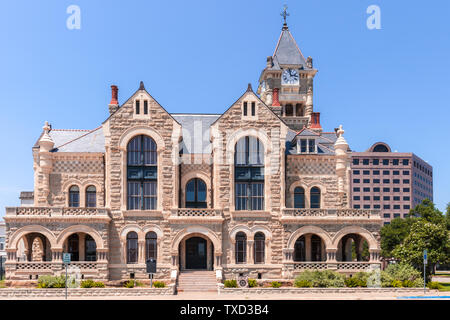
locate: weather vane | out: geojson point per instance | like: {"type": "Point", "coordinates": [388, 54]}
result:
{"type": "Point", "coordinates": [284, 14]}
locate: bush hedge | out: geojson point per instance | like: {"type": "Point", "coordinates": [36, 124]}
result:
{"type": "Point", "coordinates": [320, 279]}
{"type": "Point", "coordinates": [230, 283]}
{"type": "Point", "coordinates": [132, 283]}
{"type": "Point", "coordinates": [91, 284]}
{"type": "Point", "coordinates": [252, 283]}
{"type": "Point", "coordinates": [159, 284]}
{"type": "Point", "coordinates": [52, 281]}
{"type": "Point", "coordinates": [401, 275]}
{"type": "Point", "coordinates": [275, 284]}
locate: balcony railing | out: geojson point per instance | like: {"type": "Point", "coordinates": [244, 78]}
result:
{"type": "Point", "coordinates": [39, 212]}
{"type": "Point", "coordinates": [31, 266]}
{"type": "Point", "coordinates": [194, 212]}
{"type": "Point", "coordinates": [331, 213]}
{"type": "Point", "coordinates": [353, 266]}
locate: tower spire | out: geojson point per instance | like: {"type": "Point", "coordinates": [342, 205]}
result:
{"type": "Point", "coordinates": [284, 14]}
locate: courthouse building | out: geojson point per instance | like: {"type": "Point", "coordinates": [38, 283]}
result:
{"type": "Point", "coordinates": [259, 190]}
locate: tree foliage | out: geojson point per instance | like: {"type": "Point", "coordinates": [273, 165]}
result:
{"type": "Point", "coordinates": [425, 228]}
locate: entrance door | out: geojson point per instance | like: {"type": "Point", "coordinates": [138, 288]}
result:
{"type": "Point", "coordinates": [196, 253]}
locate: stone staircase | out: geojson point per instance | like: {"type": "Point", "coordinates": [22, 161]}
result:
{"type": "Point", "coordinates": [197, 281]}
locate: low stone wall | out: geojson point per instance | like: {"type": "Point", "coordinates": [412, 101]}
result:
{"type": "Point", "coordinates": [296, 291]}
{"type": "Point", "coordinates": [84, 292]}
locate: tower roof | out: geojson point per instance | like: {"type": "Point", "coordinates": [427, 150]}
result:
{"type": "Point", "coordinates": [287, 52]}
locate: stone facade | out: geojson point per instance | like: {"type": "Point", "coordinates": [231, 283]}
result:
{"type": "Point", "coordinates": [83, 195]}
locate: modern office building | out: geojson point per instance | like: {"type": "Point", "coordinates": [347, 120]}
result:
{"type": "Point", "coordinates": [392, 182]}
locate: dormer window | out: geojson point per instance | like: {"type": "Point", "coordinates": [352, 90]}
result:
{"type": "Point", "coordinates": [306, 146]}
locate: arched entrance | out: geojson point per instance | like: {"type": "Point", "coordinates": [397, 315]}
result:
{"type": "Point", "coordinates": [196, 253]}
{"type": "Point", "coordinates": [353, 247]}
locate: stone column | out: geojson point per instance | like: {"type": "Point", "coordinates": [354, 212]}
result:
{"type": "Point", "coordinates": [308, 247]}
{"type": "Point", "coordinates": [309, 103]}
{"type": "Point", "coordinates": [233, 250]}
{"type": "Point", "coordinates": [141, 251]}
{"type": "Point", "coordinates": [209, 262]}
{"type": "Point", "coordinates": [250, 258]}
{"type": "Point", "coordinates": [81, 246]}
{"type": "Point", "coordinates": [341, 147]}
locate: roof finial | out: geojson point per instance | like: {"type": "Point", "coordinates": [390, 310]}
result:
{"type": "Point", "coordinates": [249, 87]}
{"type": "Point", "coordinates": [141, 86]}
{"type": "Point", "coordinates": [284, 14]}
{"type": "Point", "coordinates": [46, 127]}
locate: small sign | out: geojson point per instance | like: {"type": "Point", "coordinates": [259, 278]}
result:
{"type": "Point", "coordinates": [151, 265]}
{"type": "Point", "coordinates": [66, 258]}
{"type": "Point", "coordinates": [425, 256]}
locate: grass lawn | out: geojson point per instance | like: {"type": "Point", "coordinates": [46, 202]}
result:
{"type": "Point", "coordinates": [445, 286]}
{"type": "Point", "coordinates": [442, 274]}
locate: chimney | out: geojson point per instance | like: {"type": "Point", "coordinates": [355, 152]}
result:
{"type": "Point", "coordinates": [114, 104]}
{"type": "Point", "coordinates": [275, 101]}
{"type": "Point", "coordinates": [315, 121]}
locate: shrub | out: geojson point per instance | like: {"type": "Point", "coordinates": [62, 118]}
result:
{"type": "Point", "coordinates": [87, 283]}
{"type": "Point", "coordinates": [404, 273]}
{"type": "Point", "coordinates": [252, 283]}
{"type": "Point", "coordinates": [129, 284]}
{"type": "Point", "coordinates": [159, 284]}
{"type": "Point", "coordinates": [275, 284]}
{"type": "Point", "coordinates": [303, 283]}
{"type": "Point", "coordinates": [433, 285]}
{"type": "Point", "coordinates": [408, 284]}
{"type": "Point", "coordinates": [321, 279]}
{"type": "Point", "coordinates": [397, 284]}
{"type": "Point", "coordinates": [98, 284]}
{"type": "Point", "coordinates": [351, 282]}
{"type": "Point", "coordinates": [230, 284]}
{"type": "Point", "coordinates": [52, 281]}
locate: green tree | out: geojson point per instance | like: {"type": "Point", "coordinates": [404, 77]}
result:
{"type": "Point", "coordinates": [424, 235]}
{"type": "Point", "coordinates": [393, 234]}
{"type": "Point", "coordinates": [428, 211]}
{"type": "Point", "coordinates": [447, 216]}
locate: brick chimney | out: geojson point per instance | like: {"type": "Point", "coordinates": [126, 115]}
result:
{"type": "Point", "coordinates": [275, 100]}
{"type": "Point", "coordinates": [315, 121]}
{"type": "Point", "coordinates": [114, 104]}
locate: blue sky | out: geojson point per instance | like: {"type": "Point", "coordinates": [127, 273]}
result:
{"type": "Point", "coordinates": [387, 85]}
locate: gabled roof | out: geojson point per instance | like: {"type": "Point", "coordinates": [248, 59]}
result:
{"type": "Point", "coordinates": [287, 52]}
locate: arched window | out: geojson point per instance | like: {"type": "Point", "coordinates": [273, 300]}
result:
{"type": "Point", "coordinates": [196, 193]}
{"type": "Point", "coordinates": [241, 247]}
{"type": "Point", "coordinates": [132, 247]}
{"type": "Point", "coordinates": [74, 196]}
{"type": "Point", "coordinates": [289, 110]}
{"type": "Point", "coordinates": [142, 173]}
{"type": "Point", "coordinates": [151, 245]}
{"type": "Point", "coordinates": [300, 249]}
{"type": "Point", "coordinates": [73, 247]}
{"type": "Point", "coordinates": [315, 198]}
{"type": "Point", "coordinates": [249, 174]}
{"type": "Point", "coordinates": [259, 247]}
{"type": "Point", "coordinates": [299, 198]}
{"type": "Point", "coordinates": [91, 197]}
{"type": "Point", "coordinates": [90, 248]}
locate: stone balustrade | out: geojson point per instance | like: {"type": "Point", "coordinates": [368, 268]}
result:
{"type": "Point", "coordinates": [343, 266]}
{"type": "Point", "coordinates": [47, 212]}
{"type": "Point", "coordinates": [191, 212]}
{"type": "Point", "coordinates": [331, 213]}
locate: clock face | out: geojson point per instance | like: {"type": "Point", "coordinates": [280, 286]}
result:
{"type": "Point", "coordinates": [290, 76]}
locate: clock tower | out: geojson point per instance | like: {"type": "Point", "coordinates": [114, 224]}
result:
{"type": "Point", "coordinates": [286, 83]}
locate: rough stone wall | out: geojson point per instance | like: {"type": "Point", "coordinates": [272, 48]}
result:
{"type": "Point", "coordinates": [81, 172]}
{"type": "Point", "coordinates": [232, 121]}
{"type": "Point", "coordinates": [318, 172]}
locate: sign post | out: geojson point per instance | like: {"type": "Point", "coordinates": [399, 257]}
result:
{"type": "Point", "coordinates": [151, 269]}
{"type": "Point", "coordinates": [66, 260]}
{"type": "Point", "coordinates": [425, 261]}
